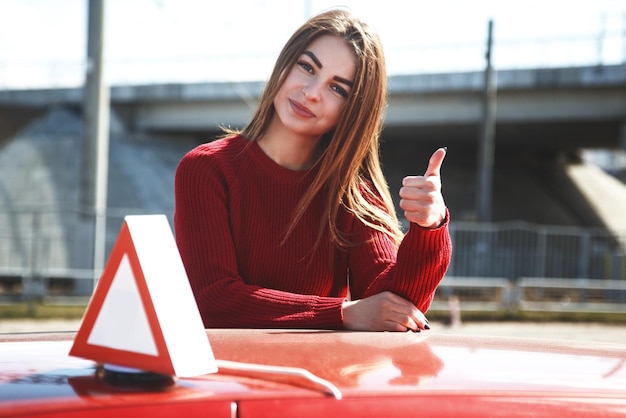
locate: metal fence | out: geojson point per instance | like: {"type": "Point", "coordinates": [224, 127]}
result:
{"type": "Point", "coordinates": [513, 250]}
{"type": "Point", "coordinates": [520, 266]}
{"type": "Point", "coordinates": [46, 253]}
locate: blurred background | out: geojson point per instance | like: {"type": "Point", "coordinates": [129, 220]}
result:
{"type": "Point", "coordinates": [99, 100]}
{"type": "Point", "coordinates": [161, 41]}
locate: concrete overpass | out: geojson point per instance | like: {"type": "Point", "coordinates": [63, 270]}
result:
{"type": "Point", "coordinates": [544, 116]}
{"type": "Point", "coordinates": [553, 109]}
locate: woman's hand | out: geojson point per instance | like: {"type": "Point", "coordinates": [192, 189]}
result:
{"type": "Point", "coordinates": [421, 197]}
{"type": "Point", "coordinates": [384, 311]}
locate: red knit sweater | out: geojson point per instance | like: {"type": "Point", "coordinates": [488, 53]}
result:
{"type": "Point", "coordinates": [233, 206]}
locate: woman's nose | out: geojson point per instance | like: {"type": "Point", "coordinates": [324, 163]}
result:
{"type": "Point", "coordinates": [312, 91]}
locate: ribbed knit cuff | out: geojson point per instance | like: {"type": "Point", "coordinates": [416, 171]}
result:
{"type": "Point", "coordinates": [434, 236]}
{"type": "Point", "coordinates": [328, 313]}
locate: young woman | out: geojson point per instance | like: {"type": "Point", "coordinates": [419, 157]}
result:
{"type": "Point", "coordinates": [289, 223]}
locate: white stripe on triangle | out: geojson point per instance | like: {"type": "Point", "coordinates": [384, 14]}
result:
{"type": "Point", "coordinates": [122, 322]}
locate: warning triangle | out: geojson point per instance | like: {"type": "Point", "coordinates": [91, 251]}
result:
{"type": "Point", "coordinates": [133, 333]}
{"type": "Point", "coordinates": [143, 314]}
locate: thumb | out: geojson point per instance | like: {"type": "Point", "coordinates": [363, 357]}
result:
{"type": "Point", "coordinates": [434, 164]}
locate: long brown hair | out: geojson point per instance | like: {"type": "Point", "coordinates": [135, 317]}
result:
{"type": "Point", "coordinates": [350, 172]}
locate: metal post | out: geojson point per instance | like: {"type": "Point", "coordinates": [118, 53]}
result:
{"type": "Point", "coordinates": [487, 139]}
{"type": "Point", "coordinates": [95, 151]}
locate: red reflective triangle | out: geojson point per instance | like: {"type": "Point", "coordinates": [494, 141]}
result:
{"type": "Point", "coordinates": [116, 353]}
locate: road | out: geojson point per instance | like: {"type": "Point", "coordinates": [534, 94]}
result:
{"type": "Point", "coordinates": [585, 332]}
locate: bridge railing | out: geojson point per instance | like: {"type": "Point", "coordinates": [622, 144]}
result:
{"type": "Point", "coordinates": [49, 253]}
{"type": "Point", "coordinates": [604, 48]}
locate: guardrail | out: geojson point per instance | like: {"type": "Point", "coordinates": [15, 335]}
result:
{"type": "Point", "coordinates": [475, 293]}
{"type": "Point", "coordinates": [531, 295]}
{"type": "Point", "coordinates": [463, 293]}
{"type": "Point", "coordinates": [580, 295]}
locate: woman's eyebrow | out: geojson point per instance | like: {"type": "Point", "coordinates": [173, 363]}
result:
{"type": "Point", "coordinates": [320, 66]}
{"type": "Point", "coordinates": [344, 81]}
{"type": "Point", "coordinates": [314, 58]}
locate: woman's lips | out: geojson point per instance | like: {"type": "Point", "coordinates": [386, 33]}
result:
{"type": "Point", "coordinates": [300, 109]}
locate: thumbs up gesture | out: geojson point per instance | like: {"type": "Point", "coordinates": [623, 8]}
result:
{"type": "Point", "coordinates": [420, 196]}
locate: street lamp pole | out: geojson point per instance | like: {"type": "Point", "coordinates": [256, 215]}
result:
{"type": "Point", "coordinates": [486, 144]}
{"type": "Point", "coordinates": [95, 149]}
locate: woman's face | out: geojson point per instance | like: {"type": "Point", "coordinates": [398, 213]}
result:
{"type": "Point", "coordinates": [317, 88]}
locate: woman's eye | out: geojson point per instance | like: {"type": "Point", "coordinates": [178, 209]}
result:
{"type": "Point", "coordinates": [305, 66]}
{"type": "Point", "coordinates": [340, 91]}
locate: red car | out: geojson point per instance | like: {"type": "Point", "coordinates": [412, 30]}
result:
{"type": "Point", "coordinates": [270, 373]}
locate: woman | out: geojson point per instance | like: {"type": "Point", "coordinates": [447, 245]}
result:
{"type": "Point", "coordinates": [289, 223]}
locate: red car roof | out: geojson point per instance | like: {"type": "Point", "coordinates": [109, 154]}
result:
{"type": "Point", "coordinates": [377, 374]}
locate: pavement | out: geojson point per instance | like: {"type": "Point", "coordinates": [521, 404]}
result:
{"type": "Point", "coordinates": [585, 332]}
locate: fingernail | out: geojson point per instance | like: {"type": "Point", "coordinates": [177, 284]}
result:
{"type": "Point", "coordinates": [446, 148]}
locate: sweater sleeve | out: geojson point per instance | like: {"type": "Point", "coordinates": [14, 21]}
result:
{"type": "Point", "coordinates": [413, 271]}
{"type": "Point", "coordinates": [206, 246]}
